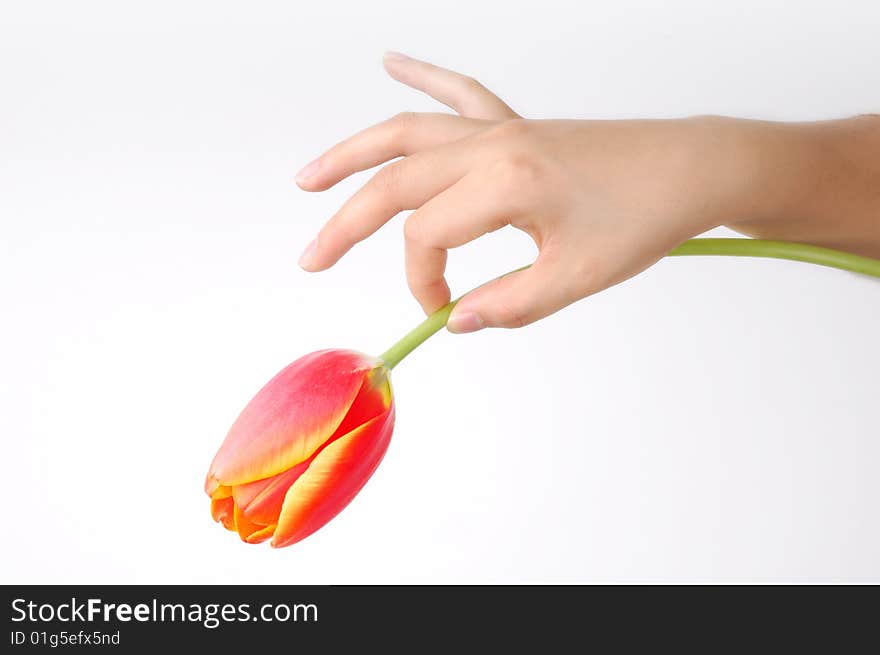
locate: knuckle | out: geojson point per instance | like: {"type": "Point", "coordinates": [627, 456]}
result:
{"type": "Point", "coordinates": [412, 230]}
{"type": "Point", "coordinates": [387, 180]}
{"type": "Point", "coordinates": [514, 128]}
{"type": "Point", "coordinates": [421, 286]}
{"type": "Point", "coordinates": [403, 120]}
{"type": "Point", "coordinates": [518, 172]}
{"type": "Point", "coordinates": [401, 125]}
{"type": "Point", "coordinates": [471, 83]}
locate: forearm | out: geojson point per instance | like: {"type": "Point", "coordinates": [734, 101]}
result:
{"type": "Point", "coordinates": [813, 183]}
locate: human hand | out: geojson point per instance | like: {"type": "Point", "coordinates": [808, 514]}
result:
{"type": "Point", "coordinates": [602, 200]}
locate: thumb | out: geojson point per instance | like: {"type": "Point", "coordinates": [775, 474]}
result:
{"type": "Point", "coordinates": [514, 300]}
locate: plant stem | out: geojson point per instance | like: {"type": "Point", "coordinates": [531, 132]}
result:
{"type": "Point", "coordinates": [724, 247]}
{"type": "Point", "coordinates": [800, 252]}
{"type": "Point", "coordinates": [417, 336]}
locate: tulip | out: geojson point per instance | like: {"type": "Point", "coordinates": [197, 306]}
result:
{"type": "Point", "coordinates": [308, 442]}
{"type": "Point", "coordinates": [303, 447]}
{"type": "Point", "coordinates": [311, 438]}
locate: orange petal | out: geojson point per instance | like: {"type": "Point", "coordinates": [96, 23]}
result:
{"type": "Point", "coordinates": [218, 491]}
{"type": "Point", "coordinates": [245, 527]}
{"type": "Point", "coordinates": [222, 510]}
{"type": "Point", "coordinates": [333, 479]}
{"type": "Point", "coordinates": [260, 536]}
{"type": "Point", "coordinates": [291, 416]}
{"type": "Point", "coordinates": [261, 500]}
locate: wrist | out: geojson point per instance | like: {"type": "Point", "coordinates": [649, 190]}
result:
{"type": "Point", "coordinates": [750, 172]}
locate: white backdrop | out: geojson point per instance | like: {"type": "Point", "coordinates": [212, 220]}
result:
{"type": "Point", "coordinates": [711, 420]}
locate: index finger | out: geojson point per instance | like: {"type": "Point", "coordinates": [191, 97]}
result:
{"type": "Point", "coordinates": [404, 184]}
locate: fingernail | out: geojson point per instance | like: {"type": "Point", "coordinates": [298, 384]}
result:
{"type": "Point", "coordinates": [308, 170]}
{"type": "Point", "coordinates": [464, 322]}
{"type": "Point", "coordinates": [391, 55]}
{"type": "Point", "coordinates": [306, 259]}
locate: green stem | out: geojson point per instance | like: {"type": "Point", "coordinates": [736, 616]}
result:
{"type": "Point", "coordinates": [417, 336]}
{"type": "Point", "coordinates": [799, 252]}
{"type": "Point", "coordinates": [720, 247]}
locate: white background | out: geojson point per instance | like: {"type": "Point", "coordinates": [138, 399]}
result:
{"type": "Point", "coordinates": [711, 420]}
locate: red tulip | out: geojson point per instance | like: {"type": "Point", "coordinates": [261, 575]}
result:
{"type": "Point", "coordinates": [303, 447]}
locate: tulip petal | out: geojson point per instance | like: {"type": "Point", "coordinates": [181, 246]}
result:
{"type": "Point", "coordinates": [222, 511]}
{"type": "Point", "coordinates": [260, 536]}
{"type": "Point", "coordinates": [372, 400]}
{"type": "Point", "coordinates": [261, 500]}
{"type": "Point", "coordinates": [216, 490]}
{"type": "Point", "coordinates": [334, 477]}
{"type": "Point", "coordinates": [291, 416]}
{"type": "Point", "coordinates": [244, 526]}
{"type": "Point", "coordinates": [211, 485]}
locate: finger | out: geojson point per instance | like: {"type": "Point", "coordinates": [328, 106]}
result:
{"type": "Point", "coordinates": [516, 299]}
{"type": "Point", "coordinates": [400, 136]}
{"type": "Point", "coordinates": [404, 184]}
{"type": "Point", "coordinates": [424, 274]}
{"type": "Point", "coordinates": [462, 93]}
{"type": "Point", "coordinates": [465, 211]}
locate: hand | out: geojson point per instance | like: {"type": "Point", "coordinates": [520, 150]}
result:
{"type": "Point", "coordinates": [602, 200]}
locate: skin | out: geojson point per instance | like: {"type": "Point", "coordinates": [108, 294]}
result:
{"type": "Point", "coordinates": [603, 200]}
